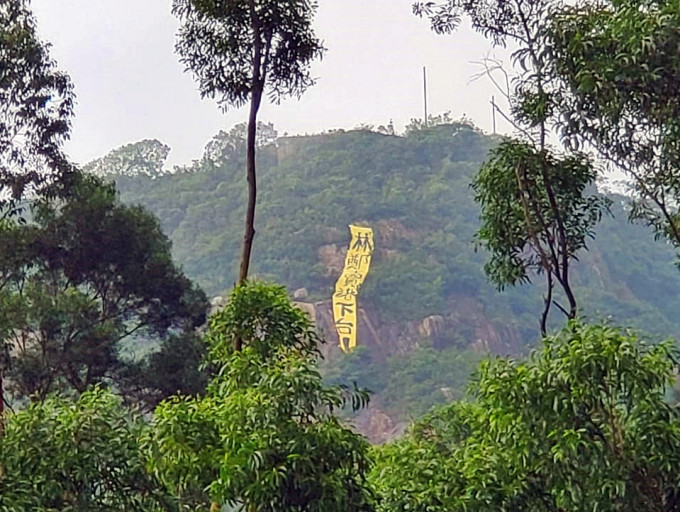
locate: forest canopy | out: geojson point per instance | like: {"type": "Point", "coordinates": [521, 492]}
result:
{"type": "Point", "coordinates": [118, 391]}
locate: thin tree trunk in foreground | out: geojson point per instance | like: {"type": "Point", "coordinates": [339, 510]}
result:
{"type": "Point", "coordinates": [257, 87]}
{"type": "Point", "coordinates": [249, 234]}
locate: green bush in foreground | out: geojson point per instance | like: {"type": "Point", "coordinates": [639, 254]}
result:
{"type": "Point", "coordinates": [264, 437]}
{"type": "Point", "coordinates": [581, 426]}
{"type": "Point", "coordinates": [61, 455]}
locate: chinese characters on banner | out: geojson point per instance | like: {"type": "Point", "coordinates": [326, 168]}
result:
{"type": "Point", "coordinates": [357, 263]}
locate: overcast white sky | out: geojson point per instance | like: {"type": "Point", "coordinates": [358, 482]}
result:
{"type": "Point", "coordinates": [130, 85]}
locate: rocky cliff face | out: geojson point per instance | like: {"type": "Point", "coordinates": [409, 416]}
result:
{"type": "Point", "coordinates": [466, 318]}
{"type": "Point", "coordinates": [464, 322]}
{"type": "Point", "coordinates": [383, 340]}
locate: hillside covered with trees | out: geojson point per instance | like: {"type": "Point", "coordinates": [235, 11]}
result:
{"type": "Point", "coordinates": [121, 391]}
{"type": "Point", "coordinates": [414, 190]}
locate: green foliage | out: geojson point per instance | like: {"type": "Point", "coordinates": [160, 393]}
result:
{"type": "Point", "coordinates": [422, 279]}
{"type": "Point", "coordinates": [89, 274]}
{"type": "Point", "coordinates": [420, 472]}
{"type": "Point", "coordinates": [616, 64]}
{"type": "Point", "coordinates": [36, 106]}
{"type": "Point", "coordinates": [582, 425]}
{"type": "Point", "coordinates": [230, 147]}
{"type": "Point", "coordinates": [79, 456]}
{"type": "Point", "coordinates": [264, 437]}
{"type": "Point", "coordinates": [426, 378]}
{"type": "Point", "coordinates": [237, 48]}
{"type": "Point", "coordinates": [497, 20]}
{"type": "Point", "coordinates": [518, 223]}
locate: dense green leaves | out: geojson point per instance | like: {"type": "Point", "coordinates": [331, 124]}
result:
{"type": "Point", "coordinates": [582, 425]}
{"type": "Point", "coordinates": [89, 274]}
{"type": "Point", "coordinates": [172, 368]}
{"type": "Point", "coordinates": [81, 456]}
{"type": "Point", "coordinates": [420, 472]}
{"type": "Point", "coordinates": [617, 67]}
{"type": "Point", "coordinates": [408, 385]}
{"type": "Point", "coordinates": [519, 225]}
{"type": "Point", "coordinates": [264, 437]}
{"type": "Point", "coordinates": [236, 48]}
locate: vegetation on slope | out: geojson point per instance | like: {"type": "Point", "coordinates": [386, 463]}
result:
{"type": "Point", "coordinates": [414, 190]}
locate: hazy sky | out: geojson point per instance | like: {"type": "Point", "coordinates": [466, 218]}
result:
{"type": "Point", "coordinates": [130, 85]}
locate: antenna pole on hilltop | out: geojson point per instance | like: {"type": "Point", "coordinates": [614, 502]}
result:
{"type": "Point", "coordinates": [493, 114]}
{"type": "Point", "coordinates": [425, 93]}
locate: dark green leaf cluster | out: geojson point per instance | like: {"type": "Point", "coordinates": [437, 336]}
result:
{"type": "Point", "coordinates": [36, 106]}
{"type": "Point", "coordinates": [78, 456]}
{"type": "Point", "coordinates": [86, 274]}
{"type": "Point", "coordinates": [168, 368]}
{"type": "Point", "coordinates": [617, 67]}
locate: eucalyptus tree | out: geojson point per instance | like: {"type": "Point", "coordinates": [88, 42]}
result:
{"type": "Point", "coordinates": [36, 106]}
{"type": "Point", "coordinates": [240, 50]}
{"type": "Point", "coordinates": [617, 65]}
{"type": "Point", "coordinates": [536, 211]}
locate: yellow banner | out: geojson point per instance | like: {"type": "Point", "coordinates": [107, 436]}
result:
{"type": "Point", "coordinates": [357, 264]}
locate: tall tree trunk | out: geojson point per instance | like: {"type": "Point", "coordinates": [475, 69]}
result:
{"type": "Point", "coordinates": [249, 234]}
{"type": "Point", "coordinates": [547, 302]}
{"type": "Point", "coordinates": [257, 87]}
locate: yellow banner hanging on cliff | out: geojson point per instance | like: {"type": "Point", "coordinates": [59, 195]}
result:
{"type": "Point", "coordinates": [357, 264]}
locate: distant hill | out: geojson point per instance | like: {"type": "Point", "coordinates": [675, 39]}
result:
{"type": "Point", "coordinates": [428, 309]}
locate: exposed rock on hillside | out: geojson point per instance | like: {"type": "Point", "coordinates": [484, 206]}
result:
{"type": "Point", "coordinates": [426, 302]}
{"type": "Point", "coordinates": [385, 339]}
